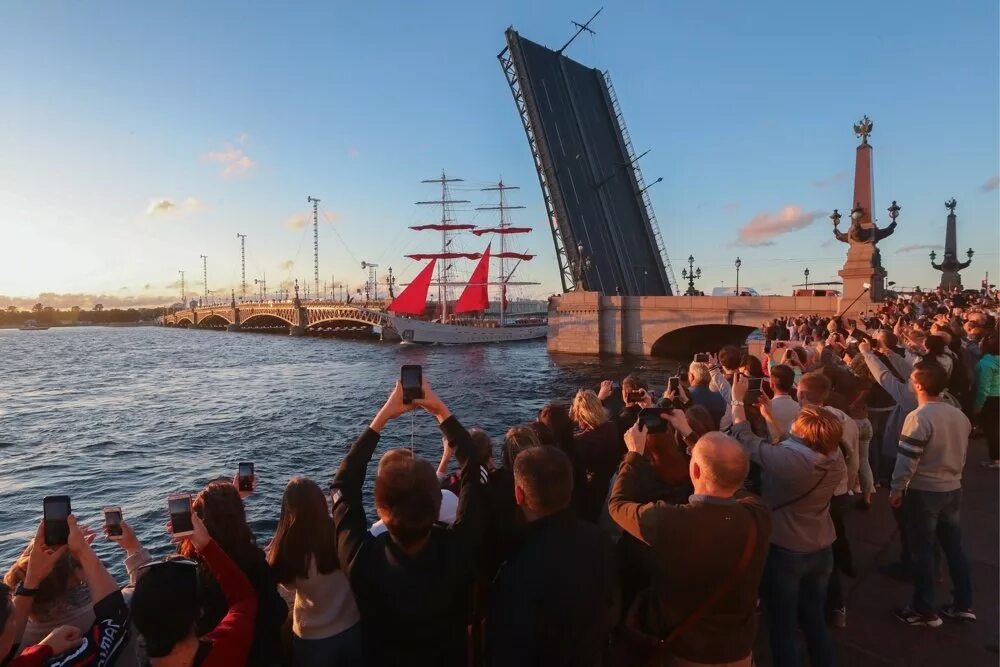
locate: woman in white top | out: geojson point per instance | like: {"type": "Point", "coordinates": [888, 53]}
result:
{"type": "Point", "coordinates": [303, 558]}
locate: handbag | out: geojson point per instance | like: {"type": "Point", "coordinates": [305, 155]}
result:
{"type": "Point", "coordinates": [637, 647]}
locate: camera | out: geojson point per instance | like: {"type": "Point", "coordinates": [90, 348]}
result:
{"type": "Point", "coordinates": [411, 378]}
{"type": "Point", "coordinates": [652, 419]}
{"type": "Point", "coordinates": [635, 396]}
{"type": "Point", "coordinates": [701, 357]}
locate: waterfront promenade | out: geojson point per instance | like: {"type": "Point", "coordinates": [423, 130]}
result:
{"type": "Point", "coordinates": [873, 637]}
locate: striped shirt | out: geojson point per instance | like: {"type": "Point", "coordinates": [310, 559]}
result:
{"type": "Point", "coordinates": [932, 449]}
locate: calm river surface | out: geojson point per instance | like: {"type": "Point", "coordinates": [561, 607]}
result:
{"type": "Point", "coordinates": [125, 416]}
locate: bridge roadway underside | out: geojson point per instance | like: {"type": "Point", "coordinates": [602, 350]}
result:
{"type": "Point", "coordinates": [666, 326]}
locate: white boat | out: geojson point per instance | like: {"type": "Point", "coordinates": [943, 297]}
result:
{"type": "Point", "coordinates": [467, 322]}
{"type": "Point", "coordinates": [32, 325]}
{"type": "Point", "coordinates": [414, 331]}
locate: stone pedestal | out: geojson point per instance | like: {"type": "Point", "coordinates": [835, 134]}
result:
{"type": "Point", "coordinates": [863, 266]}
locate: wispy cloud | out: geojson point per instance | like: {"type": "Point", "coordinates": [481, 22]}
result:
{"type": "Point", "coordinates": [170, 208]}
{"type": "Point", "coordinates": [839, 177]}
{"type": "Point", "coordinates": [991, 184]}
{"type": "Point", "coordinates": [764, 227]}
{"type": "Point", "coordinates": [916, 247]}
{"type": "Point", "coordinates": [287, 265]}
{"type": "Point", "coordinates": [64, 301]}
{"type": "Point", "coordinates": [298, 221]}
{"type": "Point", "coordinates": [731, 207]}
{"type": "Point", "coordinates": [302, 220]}
{"type": "Point", "coordinates": [234, 160]}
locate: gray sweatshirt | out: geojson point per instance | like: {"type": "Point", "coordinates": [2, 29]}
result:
{"type": "Point", "coordinates": [797, 485]}
{"type": "Point", "coordinates": [932, 449]}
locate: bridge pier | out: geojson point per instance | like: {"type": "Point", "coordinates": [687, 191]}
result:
{"type": "Point", "coordinates": [593, 324]}
{"type": "Point", "coordinates": [297, 330]}
{"type": "Point", "coordinates": [233, 327]}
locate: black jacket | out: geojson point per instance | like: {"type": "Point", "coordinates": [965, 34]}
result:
{"type": "Point", "coordinates": [551, 602]}
{"type": "Point", "coordinates": [271, 609]}
{"type": "Point", "coordinates": [598, 452]}
{"type": "Point", "coordinates": [414, 608]}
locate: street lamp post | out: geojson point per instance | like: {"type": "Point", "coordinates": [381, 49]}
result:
{"type": "Point", "coordinates": [581, 264]}
{"type": "Point", "coordinates": [739, 263]}
{"type": "Point", "coordinates": [806, 272]}
{"type": "Point", "coordinates": [691, 274]}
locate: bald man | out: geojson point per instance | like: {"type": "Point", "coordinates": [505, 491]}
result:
{"type": "Point", "coordinates": [708, 555]}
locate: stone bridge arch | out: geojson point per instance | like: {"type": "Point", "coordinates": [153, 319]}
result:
{"type": "Point", "coordinates": [684, 342]}
{"type": "Point", "coordinates": [214, 320]}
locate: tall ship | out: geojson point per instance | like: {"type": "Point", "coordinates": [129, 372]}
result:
{"type": "Point", "coordinates": [467, 320]}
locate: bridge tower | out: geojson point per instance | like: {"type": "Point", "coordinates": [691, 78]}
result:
{"type": "Point", "coordinates": [301, 315]}
{"type": "Point", "coordinates": [951, 265]}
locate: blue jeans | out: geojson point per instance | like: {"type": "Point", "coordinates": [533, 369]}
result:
{"type": "Point", "coordinates": [932, 517]}
{"type": "Point", "coordinates": [343, 650]}
{"type": "Point", "coordinates": [794, 593]}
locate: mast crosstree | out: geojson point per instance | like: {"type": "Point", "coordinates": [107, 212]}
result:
{"type": "Point", "coordinates": [446, 226]}
{"type": "Point", "coordinates": [502, 230]}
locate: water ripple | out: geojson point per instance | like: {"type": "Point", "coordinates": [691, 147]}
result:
{"type": "Point", "coordinates": [119, 416]}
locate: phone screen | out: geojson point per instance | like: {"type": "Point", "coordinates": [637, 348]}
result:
{"type": "Point", "coordinates": [634, 397]}
{"type": "Point", "coordinates": [412, 380]}
{"type": "Point", "coordinates": [56, 511]}
{"type": "Point", "coordinates": [755, 384]}
{"type": "Point", "coordinates": [180, 514]}
{"type": "Point", "coordinates": [246, 476]}
{"type": "Point", "coordinates": [701, 357]}
{"type": "Point", "coordinates": [674, 383]}
{"type": "Point", "coordinates": [113, 520]}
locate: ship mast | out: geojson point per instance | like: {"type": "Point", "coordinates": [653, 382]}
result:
{"type": "Point", "coordinates": [502, 230]}
{"type": "Point", "coordinates": [447, 225]}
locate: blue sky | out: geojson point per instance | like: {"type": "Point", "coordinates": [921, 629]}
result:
{"type": "Point", "coordinates": [235, 114]}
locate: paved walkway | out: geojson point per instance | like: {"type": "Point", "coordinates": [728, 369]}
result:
{"type": "Point", "coordinates": [873, 637]}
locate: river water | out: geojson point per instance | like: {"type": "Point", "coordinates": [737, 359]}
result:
{"type": "Point", "coordinates": [125, 416]}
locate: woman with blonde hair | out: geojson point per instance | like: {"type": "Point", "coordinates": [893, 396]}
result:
{"type": "Point", "coordinates": [598, 448]}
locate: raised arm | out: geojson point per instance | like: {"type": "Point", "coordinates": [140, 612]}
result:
{"type": "Point", "coordinates": [349, 519]}
{"type": "Point", "coordinates": [469, 521]}
{"type": "Point", "coordinates": [642, 520]}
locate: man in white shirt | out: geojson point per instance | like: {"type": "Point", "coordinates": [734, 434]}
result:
{"type": "Point", "coordinates": [784, 408]}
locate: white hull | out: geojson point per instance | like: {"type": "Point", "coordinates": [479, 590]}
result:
{"type": "Point", "coordinates": [421, 331]}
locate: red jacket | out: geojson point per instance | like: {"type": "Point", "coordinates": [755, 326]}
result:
{"type": "Point", "coordinates": [229, 643]}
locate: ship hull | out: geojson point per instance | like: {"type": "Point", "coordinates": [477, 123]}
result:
{"type": "Point", "coordinates": [431, 333]}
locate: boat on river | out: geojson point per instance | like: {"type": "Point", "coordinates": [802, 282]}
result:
{"type": "Point", "coordinates": [467, 322]}
{"type": "Point", "coordinates": [32, 325]}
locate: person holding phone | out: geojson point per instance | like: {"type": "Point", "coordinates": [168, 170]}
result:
{"type": "Point", "coordinates": [415, 580]}
{"type": "Point", "coordinates": [103, 642]}
{"type": "Point", "coordinates": [166, 607]}
{"type": "Point", "coordinates": [597, 446]}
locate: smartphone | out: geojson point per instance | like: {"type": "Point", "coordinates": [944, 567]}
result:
{"type": "Point", "coordinates": [635, 396]}
{"type": "Point", "coordinates": [674, 383]}
{"type": "Point", "coordinates": [767, 346]}
{"type": "Point", "coordinates": [179, 507]}
{"type": "Point", "coordinates": [113, 521]}
{"type": "Point", "coordinates": [412, 380]}
{"type": "Point", "coordinates": [56, 511]}
{"type": "Point", "coordinates": [653, 420]}
{"type": "Point", "coordinates": [755, 384]}
{"type": "Point", "coordinates": [616, 385]}
{"type": "Point", "coordinates": [701, 357]}
{"type": "Point", "coordinates": [245, 476]}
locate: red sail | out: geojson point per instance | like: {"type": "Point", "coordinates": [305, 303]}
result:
{"type": "Point", "coordinates": [502, 230]}
{"type": "Point", "coordinates": [443, 227]}
{"type": "Point", "coordinates": [413, 299]}
{"type": "Point", "coordinates": [475, 297]}
{"type": "Point", "coordinates": [445, 255]}
{"type": "Point", "coordinates": [514, 255]}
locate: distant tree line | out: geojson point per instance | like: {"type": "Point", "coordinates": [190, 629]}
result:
{"type": "Point", "coordinates": [12, 315]}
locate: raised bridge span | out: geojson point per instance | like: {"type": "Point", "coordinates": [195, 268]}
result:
{"type": "Point", "coordinates": [297, 317]}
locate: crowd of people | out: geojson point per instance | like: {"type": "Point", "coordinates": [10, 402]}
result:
{"type": "Point", "coordinates": [635, 525]}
